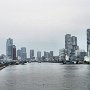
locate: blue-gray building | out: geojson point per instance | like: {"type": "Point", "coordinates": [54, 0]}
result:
{"type": "Point", "coordinates": [9, 48]}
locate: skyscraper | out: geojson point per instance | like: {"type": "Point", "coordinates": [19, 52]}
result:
{"type": "Point", "coordinates": [14, 52]}
{"type": "Point", "coordinates": [9, 48]}
{"type": "Point", "coordinates": [74, 41]}
{"type": "Point", "coordinates": [19, 54]}
{"type": "Point", "coordinates": [88, 42]}
{"type": "Point", "coordinates": [32, 54]}
{"type": "Point", "coordinates": [51, 53]}
{"type": "Point", "coordinates": [68, 43]}
{"type": "Point", "coordinates": [70, 46]}
{"type": "Point", "coordinates": [23, 49]}
{"type": "Point", "coordinates": [23, 53]}
{"type": "Point", "coordinates": [39, 56]}
{"type": "Point", "coordinates": [46, 54]}
{"type": "Point", "coordinates": [62, 54]}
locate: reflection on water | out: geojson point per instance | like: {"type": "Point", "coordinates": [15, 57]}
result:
{"type": "Point", "coordinates": [45, 76]}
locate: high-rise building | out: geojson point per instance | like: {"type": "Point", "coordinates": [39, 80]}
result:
{"type": "Point", "coordinates": [9, 48]}
{"type": "Point", "coordinates": [32, 54]}
{"type": "Point", "coordinates": [62, 54]}
{"type": "Point", "coordinates": [74, 43]}
{"type": "Point", "coordinates": [46, 54]}
{"type": "Point", "coordinates": [23, 53]}
{"type": "Point", "coordinates": [68, 43]}
{"type": "Point", "coordinates": [74, 48]}
{"type": "Point", "coordinates": [39, 55]}
{"type": "Point", "coordinates": [88, 42]}
{"type": "Point", "coordinates": [23, 49]}
{"type": "Point", "coordinates": [14, 52]}
{"type": "Point", "coordinates": [70, 46]}
{"type": "Point", "coordinates": [51, 53]}
{"type": "Point", "coordinates": [19, 54]}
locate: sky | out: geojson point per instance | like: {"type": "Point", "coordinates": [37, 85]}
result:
{"type": "Point", "coordinates": [42, 24]}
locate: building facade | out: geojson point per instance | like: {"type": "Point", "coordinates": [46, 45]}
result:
{"type": "Point", "coordinates": [23, 53]}
{"type": "Point", "coordinates": [32, 55]}
{"type": "Point", "coordinates": [62, 55]}
{"type": "Point", "coordinates": [14, 52]}
{"type": "Point", "coordinates": [51, 53]}
{"type": "Point", "coordinates": [88, 42]}
{"type": "Point", "coordinates": [68, 43]}
{"type": "Point", "coordinates": [9, 48]}
{"type": "Point", "coordinates": [39, 56]}
{"type": "Point", "coordinates": [71, 46]}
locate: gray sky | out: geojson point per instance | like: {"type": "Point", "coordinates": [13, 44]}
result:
{"type": "Point", "coordinates": [42, 24]}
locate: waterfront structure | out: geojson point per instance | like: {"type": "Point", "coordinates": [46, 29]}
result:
{"type": "Point", "coordinates": [74, 43]}
{"type": "Point", "coordinates": [2, 58]}
{"type": "Point", "coordinates": [51, 56]}
{"type": "Point", "coordinates": [9, 48]}
{"type": "Point", "coordinates": [80, 55]}
{"type": "Point", "coordinates": [23, 53]}
{"type": "Point", "coordinates": [87, 58]}
{"type": "Point", "coordinates": [39, 56]}
{"type": "Point", "coordinates": [43, 59]}
{"type": "Point", "coordinates": [62, 55]}
{"type": "Point", "coordinates": [68, 43]}
{"type": "Point", "coordinates": [71, 46]}
{"type": "Point", "coordinates": [51, 53]}
{"type": "Point", "coordinates": [56, 59]}
{"type": "Point", "coordinates": [47, 56]}
{"type": "Point", "coordinates": [88, 42]}
{"type": "Point", "coordinates": [18, 54]}
{"type": "Point", "coordinates": [32, 55]}
{"type": "Point", "coordinates": [23, 49]}
{"type": "Point", "coordinates": [14, 52]}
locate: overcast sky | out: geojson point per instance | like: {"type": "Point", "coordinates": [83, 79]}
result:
{"type": "Point", "coordinates": [42, 24]}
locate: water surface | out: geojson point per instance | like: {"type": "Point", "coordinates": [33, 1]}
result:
{"type": "Point", "coordinates": [45, 76]}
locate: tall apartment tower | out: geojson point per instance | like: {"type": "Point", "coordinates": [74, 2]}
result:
{"type": "Point", "coordinates": [32, 54]}
{"type": "Point", "coordinates": [23, 53]}
{"type": "Point", "coordinates": [88, 42]}
{"type": "Point", "coordinates": [70, 46]}
{"type": "Point", "coordinates": [9, 48]}
{"type": "Point", "coordinates": [39, 55]}
{"type": "Point", "coordinates": [68, 43]}
{"type": "Point", "coordinates": [14, 52]}
{"type": "Point", "coordinates": [62, 54]}
{"type": "Point", "coordinates": [46, 54]}
{"type": "Point", "coordinates": [74, 43]}
{"type": "Point", "coordinates": [18, 54]}
{"type": "Point", "coordinates": [51, 53]}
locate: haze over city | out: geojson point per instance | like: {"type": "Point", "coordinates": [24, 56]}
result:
{"type": "Point", "coordinates": [44, 45]}
{"type": "Point", "coordinates": [42, 24]}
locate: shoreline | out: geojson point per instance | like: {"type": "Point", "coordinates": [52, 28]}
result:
{"type": "Point", "coordinates": [2, 67]}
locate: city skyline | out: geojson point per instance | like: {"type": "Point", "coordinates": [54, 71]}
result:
{"type": "Point", "coordinates": [42, 25]}
{"type": "Point", "coordinates": [44, 45]}
{"type": "Point", "coordinates": [70, 53]}
{"type": "Point", "coordinates": [42, 50]}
